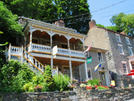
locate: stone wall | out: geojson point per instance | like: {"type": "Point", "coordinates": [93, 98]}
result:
{"type": "Point", "coordinates": [39, 96]}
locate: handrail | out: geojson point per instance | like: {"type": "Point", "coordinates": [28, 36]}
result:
{"type": "Point", "coordinates": [33, 57]}
{"type": "Point", "coordinates": [15, 46]}
{"type": "Point", "coordinates": [33, 64]}
{"type": "Point", "coordinates": [41, 44]}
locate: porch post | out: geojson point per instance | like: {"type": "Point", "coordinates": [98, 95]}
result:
{"type": "Point", "coordinates": [130, 65]}
{"type": "Point", "coordinates": [83, 44]}
{"type": "Point", "coordinates": [51, 43]}
{"type": "Point", "coordinates": [69, 45]}
{"type": "Point", "coordinates": [86, 70]}
{"type": "Point", "coordinates": [70, 67]}
{"type": "Point", "coordinates": [9, 52]}
{"type": "Point", "coordinates": [51, 62]}
{"type": "Point", "coordinates": [21, 54]}
{"type": "Point", "coordinates": [30, 49]}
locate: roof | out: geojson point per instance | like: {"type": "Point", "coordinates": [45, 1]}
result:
{"type": "Point", "coordinates": [114, 32]}
{"type": "Point", "coordinates": [69, 30]}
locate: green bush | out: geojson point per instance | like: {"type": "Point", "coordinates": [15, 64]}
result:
{"type": "Point", "coordinates": [49, 79]}
{"type": "Point", "coordinates": [61, 83]}
{"type": "Point", "coordinates": [93, 82]}
{"type": "Point", "coordinates": [13, 76]}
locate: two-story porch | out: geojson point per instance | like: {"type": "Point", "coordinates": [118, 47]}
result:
{"type": "Point", "coordinates": [40, 38]}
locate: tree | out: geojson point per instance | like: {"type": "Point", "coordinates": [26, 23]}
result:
{"type": "Point", "coordinates": [9, 26]}
{"type": "Point", "coordinates": [52, 10]}
{"type": "Point", "coordinates": [75, 14]}
{"type": "Point", "coordinates": [124, 22]}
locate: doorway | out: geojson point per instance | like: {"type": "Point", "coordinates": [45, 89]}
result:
{"type": "Point", "coordinates": [102, 77]}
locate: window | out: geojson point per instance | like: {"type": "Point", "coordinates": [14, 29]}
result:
{"type": "Point", "coordinates": [89, 74]}
{"type": "Point", "coordinates": [127, 41]}
{"type": "Point", "coordinates": [120, 49]}
{"type": "Point", "coordinates": [118, 38]}
{"type": "Point", "coordinates": [99, 57]}
{"type": "Point", "coordinates": [130, 51]}
{"type": "Point", "coordinates": [124, 68]}
{"type": "Point", "coordinates": [35, 41]}
{"type": "Point", "coordinates": [64, 46]}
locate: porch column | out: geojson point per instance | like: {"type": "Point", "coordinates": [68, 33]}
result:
{"type": "Point", "coordinates": [86, 70]}
{"type": "Point", "coordinates": [51, 43]}
{"type": "Point", "coordinates": [83, 44]}
{"type": "Point", "coordinates": [69, 47]}
{"type": "Point", "coordinates": [130, 65]}
{"type": "Point", "coordinates": [9, 52]}
{"type": "Point", "coordinates": [30, 49]}
{"type": "Point", "coordinates": [51, 62]}
{"type": "Point", "coordinates": [70, 67]}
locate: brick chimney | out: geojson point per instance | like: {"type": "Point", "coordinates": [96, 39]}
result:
{"type": "Point", "coordinates": [92, 24]}
{"type": "Point", "coordinates": [60, 23]}
{"type": "Point", "coordinates": [123, 32]}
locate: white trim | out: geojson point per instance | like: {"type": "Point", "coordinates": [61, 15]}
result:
{"type": "Point", "coordinates": [131, 50]}
{"type": "Point", "coordinates": [119, 37]}
{"type": "Point", "coordinates": [122, 49]}
{"type": "Point", "coordinates": [101, 56]}
{"type": "Point", "coordinates": [128, 41]}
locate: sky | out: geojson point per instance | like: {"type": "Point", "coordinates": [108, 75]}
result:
{"type": "Point", "coordinates": [103, 10]}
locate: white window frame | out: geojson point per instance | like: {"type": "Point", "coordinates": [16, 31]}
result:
{"type": "Point", "coordinates": [101, 56]}
{"type": "Point", "coordinates": [118, 36]}
{"type": "Point", "coordinates": [127, 40]}
{"type": "Point", "coordinates": [131, 50]}
{"type": "Point", "coordinates": [122, 49]}
{"type": "Point", "coordinates": [124, 62]}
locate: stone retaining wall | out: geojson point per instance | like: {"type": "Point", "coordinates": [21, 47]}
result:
{"type": "Point", "coordinates": [39, 96]}
{"type": "Point", "coordinates": [79, 94]}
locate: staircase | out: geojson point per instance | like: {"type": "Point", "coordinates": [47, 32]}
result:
{"type": "Point", "coordinates": [20, 54]}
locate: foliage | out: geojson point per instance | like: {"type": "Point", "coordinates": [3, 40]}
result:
{"type": "Point", "coordinates": [52, 10]}
{"type": "Point", "coordinates": [61, 82]}
{"type": "Point", "coordinates": [83, 85]}
{"type": "Point", "coordinates": [13, 76]}
{"type": "Point", "coordinates": [48, 79]}
{"type": "Point", "coordinates": [124, 22]}
{"type": "Point", "coordinates": [102, 87]}
{"type": "Point", "coordinates": [93, 82]}
{"type": "Point", "coordinates": [9, 26]}
{"type": "Point", "coordinates": [74, 81]}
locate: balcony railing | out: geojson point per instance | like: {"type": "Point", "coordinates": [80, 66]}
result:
{"type": "Point", "coordinates": [47, 49]}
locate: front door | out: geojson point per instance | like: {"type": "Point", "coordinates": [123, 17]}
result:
{"type": "Point", "coordinates": [102, 77]}
{"type": "Point", "coordinates": [66, 70]}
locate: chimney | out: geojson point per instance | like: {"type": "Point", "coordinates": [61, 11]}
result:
{"type": "Point", "coordinates": [123, 32]}
{"type": "Point", "coordinates": [92, 24]}
{"type": "Point", "coordinates": [60, 23]}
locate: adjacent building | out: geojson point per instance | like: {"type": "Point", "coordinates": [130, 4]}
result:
{"type": "Point", "coordinates": [119, 46]}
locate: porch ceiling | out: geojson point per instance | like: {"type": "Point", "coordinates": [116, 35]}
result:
{"type": "Point", "coordinates": [40, 34]}
{"type": "Point", "coordinates": [58, 61]}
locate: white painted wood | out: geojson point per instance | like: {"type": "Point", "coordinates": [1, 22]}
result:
{"type": "Point", "coordinates": [86, 73]}
{"type": "Point", "coordinates": [30, 49]}
{"type": "Point", "coordinates": [58, 57]}
{"type": "Point", "coordinates": [63, 51]}
{"type": "Point", "coordinates": [77, 53]}
{"type": "Point", "coordinates": [70, 66]}
{"type": "Point", "coordinates": [9, 52]}
{"type": "Point", "coordinates": [51, 62]}
{"type": "Point", "coordinates": [130, 65]}
{"type": "Point", "coordinates": [21, 54]}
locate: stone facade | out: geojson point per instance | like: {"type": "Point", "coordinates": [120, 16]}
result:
{"type": "Point", "coordinates": [106, 39]}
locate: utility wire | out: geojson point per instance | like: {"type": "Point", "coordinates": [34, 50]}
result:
{"type": "Point", "coordinates": [89, 13]}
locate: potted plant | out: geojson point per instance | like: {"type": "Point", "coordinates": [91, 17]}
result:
{"type": "Point", "coordinates": [83, 86]}
{"type": "Point", "coordinates": [71, 87]}
{"type": "Point", "coordinates": [38, 88]}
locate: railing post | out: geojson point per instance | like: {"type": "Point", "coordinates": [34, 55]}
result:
{"type": "Point", "coordinates": [9, 52]}
{"type": "Point", "coordinates": [21, 54]}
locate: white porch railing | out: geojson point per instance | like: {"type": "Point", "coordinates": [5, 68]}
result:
{"type": "Point", "coordinates": [41, 48]}
{"type": "Point", "coordinates": [61, 51]}
{"type": "Point", "coordinates": [16, 51]}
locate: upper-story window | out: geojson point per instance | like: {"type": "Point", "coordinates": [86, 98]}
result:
{"type": "Point", "coordinates": [120, 49]}
{"type": "Point", "coordinates": [130, 51]}
{"type": "Point", "coordinates": [124, 68]}
{"type": "Point", "coordinates": [99, 57]}
{"type": "Point", "coordinates": [127, 41]}
{"type": "Point", "coordinates": [118, 38]}
{"type": "Point", "coordinates": [34, 40]}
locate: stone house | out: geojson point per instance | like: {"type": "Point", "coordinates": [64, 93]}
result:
{"type": "Point", "coordinates": [119, 46]}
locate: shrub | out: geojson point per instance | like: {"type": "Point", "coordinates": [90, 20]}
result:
{"type": "Point", "coordinates": [61, 82]}
{"type": "Point", "coordinates": [13, 76]}
{"type": "Point", "coordinates": [93, 82]}
{"type": "Point", "coordinates": [48, 79]}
